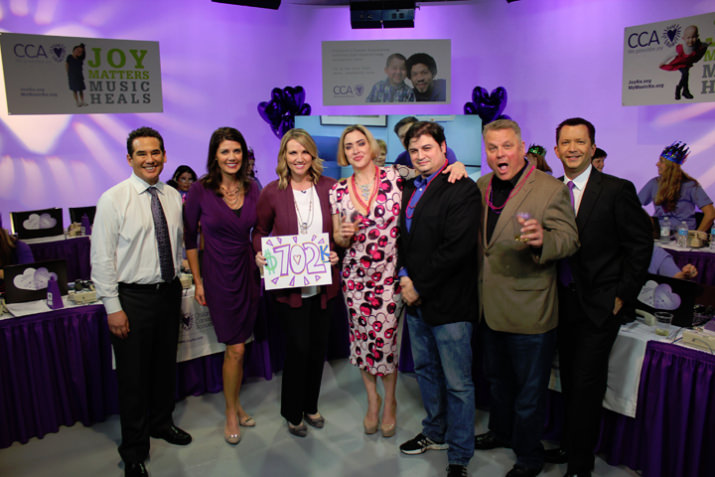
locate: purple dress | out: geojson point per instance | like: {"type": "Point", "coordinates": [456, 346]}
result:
{"type": "Point", "coordinates": [228, 269]}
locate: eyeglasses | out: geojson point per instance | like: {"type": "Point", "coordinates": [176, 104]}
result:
{"type": "Point", "coordinates": [185, 179]}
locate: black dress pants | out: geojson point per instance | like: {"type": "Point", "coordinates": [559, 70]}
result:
{"type": "Point", "coordinates": [306, 331]}
{"type": "Point", "coordinates": [584, 349]}
{"type": "Point", "coordinates": [146, 364]}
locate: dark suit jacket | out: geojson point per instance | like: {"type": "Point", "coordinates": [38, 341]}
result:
{"type": "Point", "coordinates": [616, 246]}
{"type": "Point", "coordinates": [440, 251]}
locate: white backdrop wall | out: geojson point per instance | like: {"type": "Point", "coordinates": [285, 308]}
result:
{"type": "Point", "coordinates": [556, 59]}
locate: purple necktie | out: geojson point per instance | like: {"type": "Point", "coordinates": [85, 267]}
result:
{"type": "Point", "coordinates": [564, 268]}
{"type": "Point", "coordinates": [161, 230]}
{"type": "Point", "coordinates": [571, 185]}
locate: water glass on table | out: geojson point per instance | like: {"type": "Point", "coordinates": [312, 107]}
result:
{"type": "Point", "coordinates": [663, 319]}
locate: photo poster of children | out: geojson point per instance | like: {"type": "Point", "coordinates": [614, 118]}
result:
{"type": "Point", "coordinates": [69, 75]}
{"type": "Point", "coordinates": [386, 72]}
{"type": "Point", "coordinates": [670, 62]}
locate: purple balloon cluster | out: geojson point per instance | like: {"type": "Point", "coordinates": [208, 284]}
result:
{"type": "Point", "coordinates": [284, 106]}
{"type": "Point", "coordinates": [489, 107]}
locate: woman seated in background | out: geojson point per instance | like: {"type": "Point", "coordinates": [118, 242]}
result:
{"type": "Point", "coordinates": [674, 193]}
{"type": "Point", "coordinates": [182, 179]}
{"type": "Point", "coordinates": [297, 204]}
{"type": "Point", "coordinates": [12, 252]}
{"type": "Point", "coordinates": [252, 168]}
{"type": "Point", "coordinates": [537, 155]}
{"type": "Point", "coordinates": [366, 210]}
{"type": "Point", "coordinates": [224, 202]}
{"type": "Point", "coordinates": [662, 263]}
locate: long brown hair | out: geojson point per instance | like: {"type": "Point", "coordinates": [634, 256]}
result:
{"type": "Point", "coordinates": [669, 184]}
{"type": "Point", "coordinates": [539, 161]}
{"type": "Point", "coordinates": [212, 179]}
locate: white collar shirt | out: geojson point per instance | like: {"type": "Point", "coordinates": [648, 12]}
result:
{"type": "Point", "coordinates": [580, 182]}
{"type": "Point", "coordinates": [124, 247]}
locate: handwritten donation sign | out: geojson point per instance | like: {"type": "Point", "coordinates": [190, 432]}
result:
{"type": "Point", "coordinates": [61, 75]}
{"type": "Point", "coordinates": [296, 261]}
{"type": "Point", "coordinates": [670, 62]}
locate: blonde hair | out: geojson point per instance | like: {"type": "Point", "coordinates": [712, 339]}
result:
{"type": "Point", "coordinates": [500, 124]}
{"type": "Point", "coordinates": [374, 147]}
{"type": "Point", "coordinates": [669, 184]}
{"type": "Point", "coordinates": [282, 169]}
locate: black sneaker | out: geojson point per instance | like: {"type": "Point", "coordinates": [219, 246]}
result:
{"type": "Point", "coordinates": [456, 470]}
{"type": "Point", "coordinates": [421, 443]}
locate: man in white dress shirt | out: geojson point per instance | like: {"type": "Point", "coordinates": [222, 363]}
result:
{"type": "Point", "coordinates": [136, 255]}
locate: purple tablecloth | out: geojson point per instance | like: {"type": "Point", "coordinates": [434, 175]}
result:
{"type": "Point", "coordinates": [703, 261]}
{"type": "Point", "coordinates": [673, 433]}
{"type": "Point", "coordinates": [74, 250]}
{"type": "Point", "coordinates": [56, 368]}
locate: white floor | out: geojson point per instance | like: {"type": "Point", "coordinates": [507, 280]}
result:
{"type": "Point", "coordinates": [340, 449]}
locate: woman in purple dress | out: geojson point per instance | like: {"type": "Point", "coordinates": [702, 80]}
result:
{"type": "Point", "coordinates": [224, 202]}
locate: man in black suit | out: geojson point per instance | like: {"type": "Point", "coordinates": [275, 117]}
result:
{"type": "Point", "coordinates": [438, 258]}
{"type": "Point", "coordinates": [599, 287]}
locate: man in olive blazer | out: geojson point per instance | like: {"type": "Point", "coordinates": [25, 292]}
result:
{"type": "Point", "coordinates": [528, 226]}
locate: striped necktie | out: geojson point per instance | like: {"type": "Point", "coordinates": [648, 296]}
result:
{"type": "Point", "coordinates": [161, 230]}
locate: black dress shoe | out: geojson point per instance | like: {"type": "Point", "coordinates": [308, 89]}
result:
{"type": "Point", "coordinates": [555, 456]}
{"type": "Point", "coordinates": [522, 471]}
{"type": "Point", "coordinates": [489, 440]}
{"type": "Point", "coordinates": [173, 435]}
{"type": "Point", "coordinates": [135, 469]}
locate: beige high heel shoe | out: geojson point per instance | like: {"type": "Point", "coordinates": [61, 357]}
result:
{"type": "Point", "coordinates": [232, 439]}
{"type": "Point", "coordinates": [390, 429]}
{"type": "Point", "coordinates": [371, 426]}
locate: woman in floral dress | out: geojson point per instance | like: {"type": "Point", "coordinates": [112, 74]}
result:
{"type": "Point", "coordinates": [365, 209]}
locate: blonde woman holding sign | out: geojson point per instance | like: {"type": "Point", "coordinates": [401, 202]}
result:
{"type": "Point", "coordinates": [297, 203]}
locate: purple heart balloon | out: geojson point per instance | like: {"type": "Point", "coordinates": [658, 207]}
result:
{"type": "Point", "coordinates": [281, 110]}
{"type": "Point", "coordinates": [488, 106]}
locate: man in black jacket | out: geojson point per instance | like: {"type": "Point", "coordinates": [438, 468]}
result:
{"type": "Point", "coordinates": [599, 287]}
{"type": "Point", "coordinates": [438, 257]}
